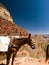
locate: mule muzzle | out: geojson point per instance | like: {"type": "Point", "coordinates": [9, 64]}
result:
{"type": "Point", "coordinates": [33, 47]}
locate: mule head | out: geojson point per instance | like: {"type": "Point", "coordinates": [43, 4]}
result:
{"type": "Point", "coordinates": [31, 42]}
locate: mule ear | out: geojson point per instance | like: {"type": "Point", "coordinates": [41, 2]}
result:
{"type": "Point", "coordinates": [29, 35]}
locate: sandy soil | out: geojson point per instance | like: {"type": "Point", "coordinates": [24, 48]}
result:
{"type": "Point", "coordinates": [27, 61]}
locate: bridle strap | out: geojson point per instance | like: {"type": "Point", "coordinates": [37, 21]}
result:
{"type": "Point", "coordinates": [13, 46]}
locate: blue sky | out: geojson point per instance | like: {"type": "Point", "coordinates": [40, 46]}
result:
{"type": "Point", "coordinates": [32, 15]}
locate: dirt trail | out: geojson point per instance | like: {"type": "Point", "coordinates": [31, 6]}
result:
{"type": "Point", "coordinates": [27, 61]}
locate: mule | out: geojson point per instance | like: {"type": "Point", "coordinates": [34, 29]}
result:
{"type": "Point", "coordinates": [47, 53]}
{"type": "Point", "coordinates": [15, 45]}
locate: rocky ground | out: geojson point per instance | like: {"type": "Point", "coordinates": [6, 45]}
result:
{"type": "Point", "coordinates": [27, 61]}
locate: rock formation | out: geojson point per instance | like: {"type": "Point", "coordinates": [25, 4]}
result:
{"type": "Point", "coordinates": [5, 13]}
{"type": "Point", "coordinates": [7, 26]}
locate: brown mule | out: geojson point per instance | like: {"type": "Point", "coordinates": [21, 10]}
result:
{"type": "Point", "coordinates": [15, 46]}
{"type": "Point", "coordinates": [47, 53]}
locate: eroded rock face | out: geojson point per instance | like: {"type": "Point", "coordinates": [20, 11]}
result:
{"type": "Point", "coordinates": [7, 26]}
{"type": "Point", "coordinates": [10, 29]}
{"type": "Point", "coordinates": [5, 13]}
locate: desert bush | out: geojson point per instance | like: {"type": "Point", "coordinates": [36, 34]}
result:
{"type": "Point", "coordinates": [42, 45]}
